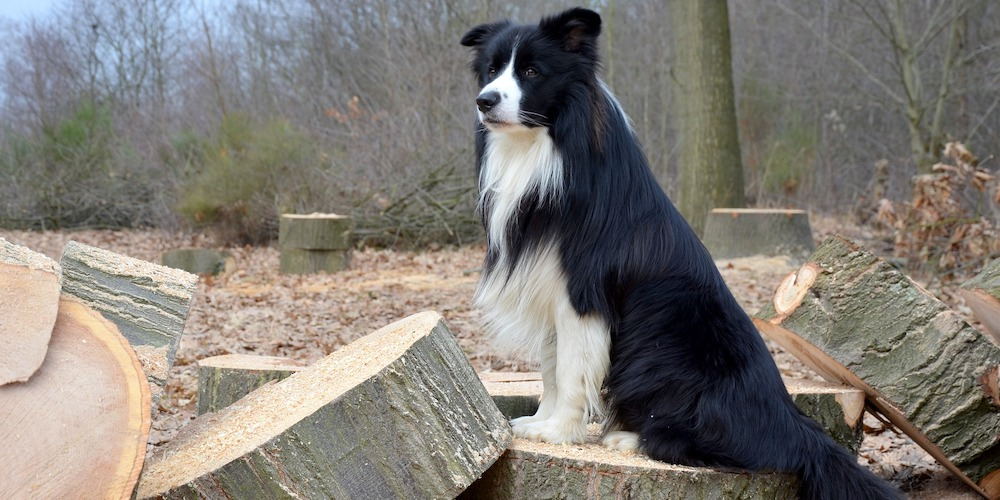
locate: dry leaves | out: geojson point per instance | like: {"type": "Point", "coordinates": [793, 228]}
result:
{"type": "Point", "coordinates": [947, 223]}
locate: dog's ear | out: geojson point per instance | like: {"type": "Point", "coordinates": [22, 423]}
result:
{"type": "Point", "coordinates": [577, 28]}
{"type": "Point", "coordinates": [480, 34]}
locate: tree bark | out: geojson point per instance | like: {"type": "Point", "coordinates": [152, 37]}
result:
{"type": "Point", "coordinates": [855, 319]}
{"type": "Point", "coordinates": [710, 165]}
{"type": "Point", "coordinates": [223, 380]}
{"type": "Point", "coordinates": [982, 295]}
{"type": "Point", "coordinates": [314, 243]}
{"type": "Point", "coordinates": [530, 470]}
{"type": "Point", "coordinates": [147, 302]}
{"type": "Point", "coordinates": [399, 413]}
{"type": "Point", "coordinates": [78, 427]}
{"type": "Point", "coordinates": [743, 232]}
{"type": "Point", "coordinates": [29, 304]}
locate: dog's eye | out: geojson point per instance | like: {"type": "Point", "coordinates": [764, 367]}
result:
{"type": "Point", "coordinates": [531, 72]}
{"type": "Point", "coordinates": [492, 72]}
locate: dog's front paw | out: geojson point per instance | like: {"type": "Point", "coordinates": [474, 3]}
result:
{"type": "Point", "coordinates": [621, 440]}
{"type": "Point", "coordinates": [550, 430]}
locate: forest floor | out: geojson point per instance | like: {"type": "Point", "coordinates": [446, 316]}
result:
{"type": "Point", "coordinates": [257, 310]}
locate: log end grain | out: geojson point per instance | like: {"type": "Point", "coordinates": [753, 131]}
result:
{"type": "Point", "coordinates": [83, 419]}
{"type": "Point", "coordinates": [30, 285]}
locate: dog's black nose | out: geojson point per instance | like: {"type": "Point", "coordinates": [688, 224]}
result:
{"type": "Point", "coordinates": [487, 100]}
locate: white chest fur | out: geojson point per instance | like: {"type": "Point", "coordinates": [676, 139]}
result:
{"type": "Point", "coordinates": [517, 162]}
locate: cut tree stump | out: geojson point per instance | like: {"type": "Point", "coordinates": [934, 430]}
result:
{"type": "Point", "coordinates": [982, 295]}
{"type": "Point", "coordinates": [147, 302]}
{"type": "Point", "coordinates": [200, 261]}
{"type": "Point", "coordinates": [314, 243]}
{"type": "Point", "coordinates": [78, 427]}
{"type": "Point", "coordinates": [529, 470]}
{"type": "Point", "coordinates": [837, 408]}
{"type": "Point", "coordinates": [29, 303]}
{"type": "Point", "coordinates": [732, 233]}
{"type": "Point", "coordinates": [855, 319]}
{"type": "Point", "coordinates": [399, 413]}
{"type": "Point", "coordinates": [223, 380]}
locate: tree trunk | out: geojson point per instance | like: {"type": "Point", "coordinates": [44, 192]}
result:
{"type": "Point", "coordinates": [710, 166]}
{"type": "Point", "coordinates": [29, 303]}
{"type": "Point", "coordinates": [743, 232]}
{"type": "Point", "coordinates": [78, 427]}
{"type": "Point", "coordinates": [396, 414]}
{"type": "Point", "coordinates": [147, 302]}
{"type": "Point", "coordinates": [530, 470]}
{"type": "Point", "coordinates": [855, 319]}
{"type": "Point", "coordinates": [982, 295]}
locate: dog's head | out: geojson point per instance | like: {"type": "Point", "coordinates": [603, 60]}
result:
{"type": "Point", "coordinates": [527, 72]}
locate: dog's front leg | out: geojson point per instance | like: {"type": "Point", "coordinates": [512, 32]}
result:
{"type": "Point", "coordinates": [572, 380]}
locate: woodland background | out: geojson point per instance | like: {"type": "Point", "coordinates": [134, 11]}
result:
{"type": "Point", "coordinates": [221, 115]}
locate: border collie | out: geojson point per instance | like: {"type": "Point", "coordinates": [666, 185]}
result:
{"type": "Point", "coordinates": [591, 271]}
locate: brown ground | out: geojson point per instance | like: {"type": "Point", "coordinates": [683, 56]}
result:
{"type": "Point", "coordinates": [257, 310]}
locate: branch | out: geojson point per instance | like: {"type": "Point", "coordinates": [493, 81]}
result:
{"type": "Point", "coordinates": [845, 54]}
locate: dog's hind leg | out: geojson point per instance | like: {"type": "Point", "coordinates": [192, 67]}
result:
{"type": "Point", "coordinates": [574, 378]}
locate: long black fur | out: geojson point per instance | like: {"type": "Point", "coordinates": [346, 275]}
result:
{"type": "Point", "coordinates": [689, 372]}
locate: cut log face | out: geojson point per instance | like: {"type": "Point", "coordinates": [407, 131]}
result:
{"type": "Point", "coordinates": [529, 470]}
{"type": "Point", "coordinates": [147, 302]}
{"type": "Point", "coordinates": [982, 295]}
{"type": "Point", "coordinates": [223, 380]}
{"type": "Point", "coordinates": [29, 304]}
{"type": "Point", "coordinates": [396, 414]}
{"type": "Point", "coordinates": [732, 233]}
{"type": "Point", "coordinates": [78, 428]}
{"type": "Point", "coordinates": [865, 324]}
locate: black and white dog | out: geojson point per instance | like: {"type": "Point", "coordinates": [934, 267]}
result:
{"type": "Point", "coordinates": [591, 271]}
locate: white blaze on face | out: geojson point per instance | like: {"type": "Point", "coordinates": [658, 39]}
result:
{"type": "Point", "coordinates": [508, 110]}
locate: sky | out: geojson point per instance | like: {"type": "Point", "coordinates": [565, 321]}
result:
{"type": "Point", "coordinates": [20, 9]}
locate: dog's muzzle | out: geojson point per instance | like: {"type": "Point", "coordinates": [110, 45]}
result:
{"type": "Point", "coordinates": [487, 100]}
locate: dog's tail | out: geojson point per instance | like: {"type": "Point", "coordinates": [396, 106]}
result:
{"type": "Point", "coordinates": [829, 472]}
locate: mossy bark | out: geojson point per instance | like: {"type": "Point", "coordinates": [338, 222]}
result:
{"type": "Point", "coordinates": [856, 319]}
{"type": "Point", "coordinates": [223, 380]}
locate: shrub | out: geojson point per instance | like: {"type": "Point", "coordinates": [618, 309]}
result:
{"type": "Point", "coordinates": [246, 176]}
{"type": "Point", "coordinates": [74, 173]}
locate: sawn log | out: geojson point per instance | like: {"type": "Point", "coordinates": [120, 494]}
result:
{"type": "Point", "coordinates": [857, 320]}
{"type": "Point", "coordinates": [399, 413]}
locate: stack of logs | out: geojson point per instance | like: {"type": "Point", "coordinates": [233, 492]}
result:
{"type": "Point", "coordinates": [400, 413]}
